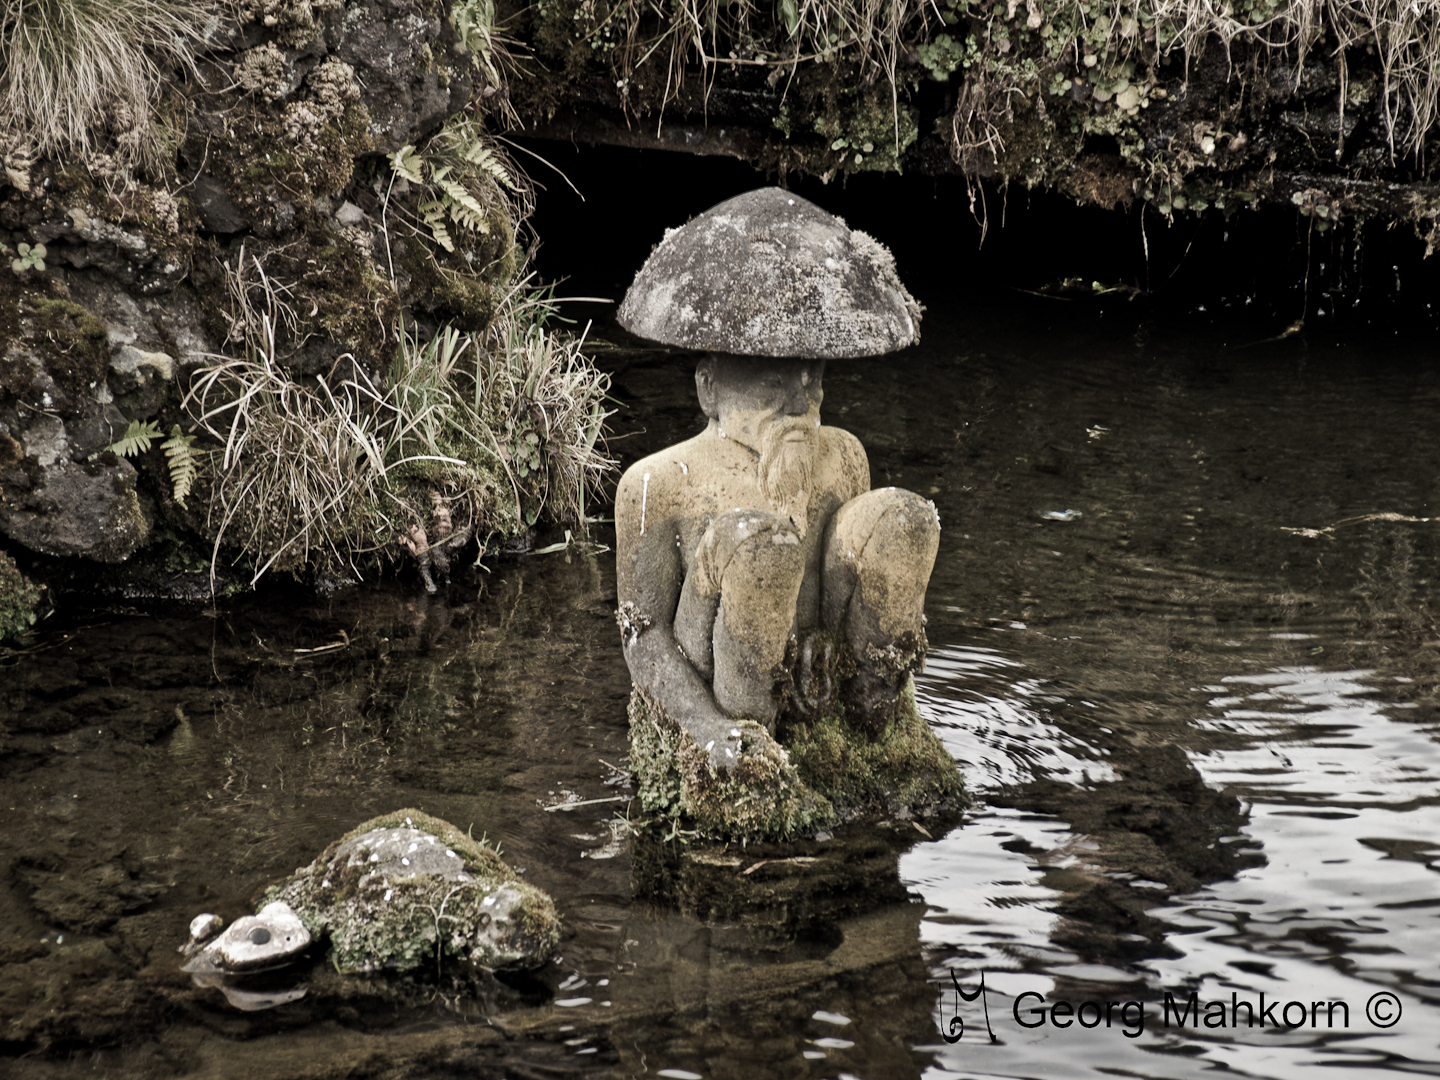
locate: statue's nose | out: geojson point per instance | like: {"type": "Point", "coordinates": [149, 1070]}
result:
{"type": "Point", "coordinates": [797, 402]}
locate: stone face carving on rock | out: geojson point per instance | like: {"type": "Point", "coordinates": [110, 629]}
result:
{"type": "Point", "coordinates": [252, 943]}
{"type": "Point", "coordinates": [407, 889]}
{"type": "Point", "coordinates": [763, 585]}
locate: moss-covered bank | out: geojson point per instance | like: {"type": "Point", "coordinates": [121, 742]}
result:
{"type": "Point", "coordinates": [311, 270]}
{"type": "Point", "coordinates": [1328, 108]}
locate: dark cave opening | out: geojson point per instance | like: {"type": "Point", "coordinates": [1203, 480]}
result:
{"type": "Point", "coordinates": [1272, 265]}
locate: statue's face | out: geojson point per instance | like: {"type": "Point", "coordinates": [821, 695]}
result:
{"type": "Point", "coordinates": [749, 395]}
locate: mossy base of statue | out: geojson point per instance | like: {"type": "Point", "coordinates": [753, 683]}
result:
{"type": "Point", "coordinates": [771, 602]}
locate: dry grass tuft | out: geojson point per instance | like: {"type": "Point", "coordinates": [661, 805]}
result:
{"type": "Point", "coordinates": [500, 429]}
{"type": "Point", "coordinates": [79, 75]}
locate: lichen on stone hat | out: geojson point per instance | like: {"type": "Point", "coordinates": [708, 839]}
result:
{"type": "Point", "coordinates": [769, 274]}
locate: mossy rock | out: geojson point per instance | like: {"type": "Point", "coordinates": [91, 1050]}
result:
{"type": "Point", "coordinates": [762, 796]}
{"type": "Point", "coordinates": [406, 890]}
{"type": "Point", "coordinates": [904, 772]}
{"type": "Point", "coordinates": [71, 347]}
{"type": "Point", "coordinates": [824, 773]}
{"type": "Point", "coordinates": [19, 597]}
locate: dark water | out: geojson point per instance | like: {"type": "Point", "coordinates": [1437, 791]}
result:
{"type": "Point", "coordinates": [1126, 590]}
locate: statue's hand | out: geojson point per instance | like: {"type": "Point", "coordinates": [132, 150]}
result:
{"type": "Point", "coordinates": [720, 739]}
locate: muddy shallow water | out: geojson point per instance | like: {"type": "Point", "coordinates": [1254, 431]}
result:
{"type": "Point", "coordinates": [1183, 651]}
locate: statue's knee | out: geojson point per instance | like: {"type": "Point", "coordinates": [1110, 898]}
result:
{"type": "Point", "coordinates": [884, 521]}
{"type": "Point", "coordinates": [906, 526]}
{"type": "Point", "coordinates": [879, 553]}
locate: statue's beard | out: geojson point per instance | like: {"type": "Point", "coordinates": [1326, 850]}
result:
{"type": "Point", "coordinates": [787, 467]}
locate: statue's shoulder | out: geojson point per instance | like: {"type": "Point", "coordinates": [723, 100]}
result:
{"type": "Point", "coordinates": [666, 466]}
{"type": "Point", "coordinates": [848, 464]}
{"type": "Point", "coordinates": [664, 475]}
{"type": "Point", "coordinates": [834, 440]}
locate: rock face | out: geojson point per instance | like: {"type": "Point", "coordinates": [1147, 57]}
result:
{"type": "Point", "coordinates": [769, 274]}
{"type": "Point", "coordinates": [286, 100]}
{"type": "Point", "coordinates": [406, 889]}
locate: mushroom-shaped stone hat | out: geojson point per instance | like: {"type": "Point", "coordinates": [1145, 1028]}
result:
{"type": "Point", "coordinates": [769, 274]}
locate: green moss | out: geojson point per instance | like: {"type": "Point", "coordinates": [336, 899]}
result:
{"type": "Point", "coordinates": [73, 343]}
{"type": "Point", "coordinates": [906, 771]}
{"type": "Point", "coordinates": [865, 129]}
{"type": "Point", "coordinates": [19, 597]}
{"type": "Point", "coordinates": [449, 293]}
{"type": "Point", "coordinates": [70, 344]}
{"type": "Point", "coordinates": [127, 527]}
{"type": "Point", "coordinates": [819, 773]}
{"type": "Point", "coordinates": [289, 151]}
{"type": "Point", "coordinates": [762, 797]}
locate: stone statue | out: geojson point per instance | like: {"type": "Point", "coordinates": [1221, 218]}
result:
{"type": "Point", "coordinates": [759, 575]}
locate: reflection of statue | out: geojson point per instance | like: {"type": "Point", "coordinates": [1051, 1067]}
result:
{"type": "Point", "coordinates": [759, 575]}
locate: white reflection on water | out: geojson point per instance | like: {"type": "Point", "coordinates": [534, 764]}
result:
{"type": "Point", "coordinates": [1344, 803]}
{"type": "Point", "coordinates": [992, 720]}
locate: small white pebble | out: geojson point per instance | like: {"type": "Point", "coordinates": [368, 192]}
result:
{"type": "Point", "coordinates": [709, 746]}
{"type": "Point", "coordinates": [389, 893]}
{"type": "Point", "coordinates": [374, 856]}
{"type": "Point", "coordinates": [405, 862]}
{"type": "Point", "coordinates": [450, 854]}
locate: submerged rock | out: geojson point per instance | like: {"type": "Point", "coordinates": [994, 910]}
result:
{"type": "Point", "coordinates": [406, 889]}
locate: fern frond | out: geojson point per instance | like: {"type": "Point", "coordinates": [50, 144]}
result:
{"type": "Point", "coordinates": [182, 462]}
{"type": "Point", "coordinates": [477, 153]}
{"type": "Point", "coordinates": [137, 438]}
{"type": "Point", "coordinates": [433, 214]}
{"type": "Point", "coordinates": [464, 208]}
{"type": "Point", "coordinates": [407, 162]}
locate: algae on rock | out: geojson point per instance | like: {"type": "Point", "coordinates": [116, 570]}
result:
{"type": "Point", "coordinates": [19, 598]}
{"type": "Point", "coordinates": [406, 890]}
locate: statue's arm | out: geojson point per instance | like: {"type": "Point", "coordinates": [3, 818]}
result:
{"type": "Point", "coordinates": [851, 462]}
{"type": "Point", "coordinates": [649, 577]}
